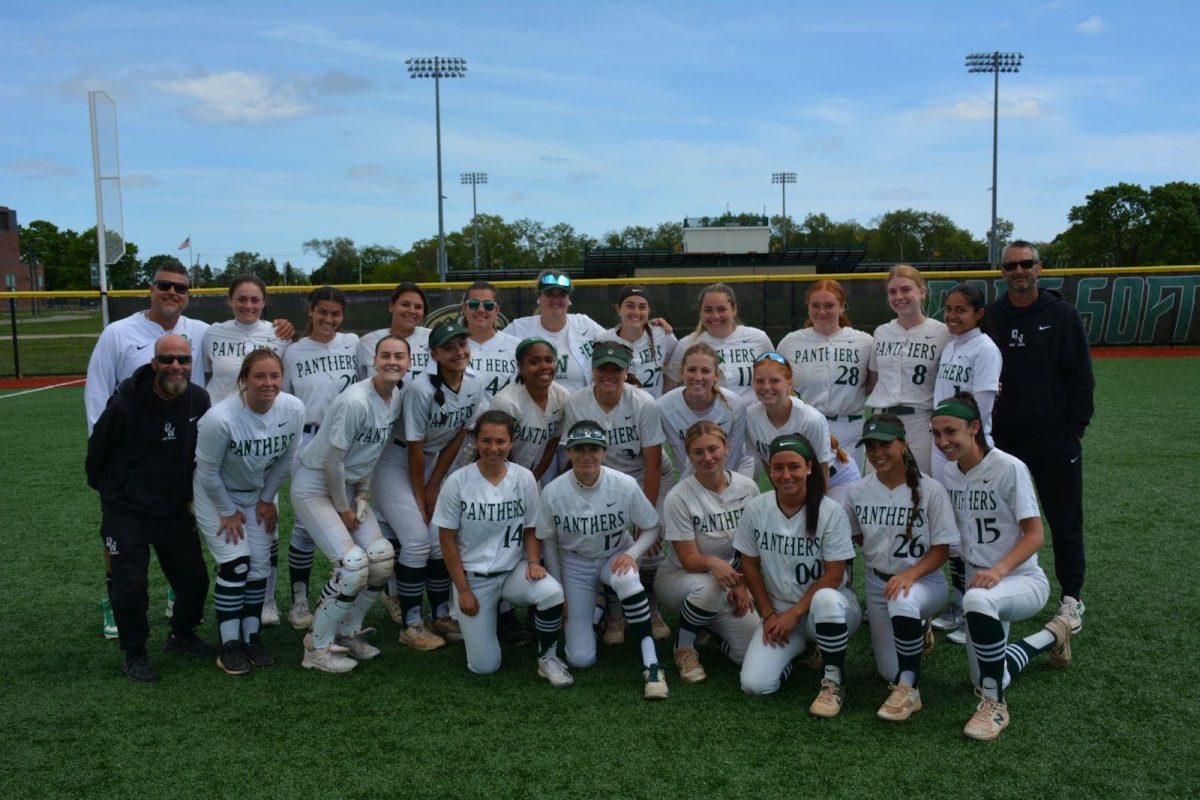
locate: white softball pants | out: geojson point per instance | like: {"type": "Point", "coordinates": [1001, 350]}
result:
{"type": "Point", "coordinates": [925, 599]}
{"type": "Point", "coordinates": [314, 508]}
{"type": "Point", "coordinates": [1014, 598]}
{"type": "Point", "coordinates": [392, 498]}
{"type": "Point", "coordinates": [255, 545]}
{"type": "Point", "coordinates": [581, 578]}
{"type": "Point", "coordinates": [479, 631]}
{"type": "Point", "coordinates": [673, 585]}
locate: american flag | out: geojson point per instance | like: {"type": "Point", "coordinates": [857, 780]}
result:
{"type": "Point", "coordinates": [185, 244]}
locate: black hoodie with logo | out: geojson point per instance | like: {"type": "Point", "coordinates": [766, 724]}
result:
{"type": "Point", "coordinates": [142, 449]}
{"type": "Point", "coordinates": [1046, 382]}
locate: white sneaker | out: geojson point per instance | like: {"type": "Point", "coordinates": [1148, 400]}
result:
{"type": "Point", "coordinates": [326, 659]}
{"type": "Point", "coordinates": [958, 635]}
{"type": "Point", "coordinates": [1073, 610]}
{"type": "Point", "coordinates": [554, 670]}
{"type": "Point", "coordinates": [300, 617]}
{"type": "Point", "coordinates": [419, 637]}
{"type": "Point", "coordinates": [447, 628]}
{"type": "Point", "coordinates": [656, 683]}
{"type": "Point", "coordinates": [270, 613]}
{"type": "Point", "coordinates": [659, 629]}
{"type": "Point", "coordinates": [357, 646]}
{"type": "Point", "coordinates": [949, 619]}
{"type": "Point", "coordinates": [391, 604]}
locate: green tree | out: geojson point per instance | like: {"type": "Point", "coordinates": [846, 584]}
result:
{"type": "Point", "coordinates": [342, 264]}
{"type": "Point", "coordinates": [378, 260]}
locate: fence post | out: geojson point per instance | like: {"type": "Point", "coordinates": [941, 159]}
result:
{"type": "Point", "coordinates": [12, 315]}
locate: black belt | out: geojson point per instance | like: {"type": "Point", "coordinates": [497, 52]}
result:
{"type": "Point", "coordinates": [976, 567]}
{"type": "Point", "coordinates": [896, 410]}
{"type": "Point", "coordinates": [486, 574]}
{"type": "Point", "coordinates": [399, 442]}
{"type": "Point", "coordinates": [312, 427]}
{"type": "Point", "coordinates": [883, 576]}
{"type": "Point", "coordinates": [849, 417]}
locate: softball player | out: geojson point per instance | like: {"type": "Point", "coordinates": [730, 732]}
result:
{"type": "Point", "coordinates": [244, 450]}
{"type": "Point", "coordinates": [829, 362]}
{"type": "Point", "coordinates": [651, 349]}
{"type": "Point", "coordinates": [778, 411]}
{"type": "Point", "coordinates": [794, 544]}
{"type": "Point", "coordinates": [493, 354]}
{"type": "Point", "coordinates": [486, 518]}
{"type": "Point", "coordinates": [586, 513]}
{"type": "Point", "coordinates": [1001, 531]}
{"type": "Point", "coordinates": [226, 344]}
{"type": "Point", "coordinates": [538, 404]}
{"type": "Point", "coordinates": [970, 363]}
{"type": "Point", "coordinates": [905, 524]}
{"type": "Point", "coordinates": [904, 360]}
{"type": "Point", "coordinates": [438, 409]}
{"type": "Point", "coordinates": [700, 578]}
{"type": "Point", "coordinates": [329, 494]}
{"type": "Point", "coordinates": [571, 334]}
{"type": "Point", "coordinates": [407, 306]}
{"type": "Point", "coordinates": [316, 369]}
{"type": "Point", "coordinates": [700, 398]}
{"type": "Point", "coordinates": [736, 345]}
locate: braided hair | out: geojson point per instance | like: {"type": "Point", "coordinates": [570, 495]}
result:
{"type": "Point", "coordinates": [912, 473]}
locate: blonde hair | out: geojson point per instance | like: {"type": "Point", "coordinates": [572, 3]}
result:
{"type": "Point", "coordinates": [910, 272]}
{"type": "Point", "coordinates": [715, 288]}
{"type": "Point", "coordinates": [703, 349]}
{"type": "Point", "coordinates": [704, 428]}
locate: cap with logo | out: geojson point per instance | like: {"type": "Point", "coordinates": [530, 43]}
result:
{"type": "Point", "coordinates": [611, 353]}
{"type": "Point", "coordinates": [444, 332]}
{"type": "Point", "coordinates": [586, 432]}
{"type": "Point", "coordinates": [554, 281]}
{"type": "Point", "coordinates": [881, 430]}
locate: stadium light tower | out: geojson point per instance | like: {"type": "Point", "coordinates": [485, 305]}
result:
{"type": "Point", "coordinates": [438, 68]}
{"type": "Point", "coordinates": [783, 179]}
{"type": "Point", "coordinates": [995, 63]}
{"type": "Point", "coordinates": [474, 179]}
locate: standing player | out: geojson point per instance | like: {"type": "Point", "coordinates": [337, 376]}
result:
{"type": "Point", "coordinates": [486, 514]}
{"type": "Point", "coordinates": [226, 344]}
{"type": "Point", "coordinates": [244, 450]}
{"type": "Point", "coordinates": [904, 360]}
{"type": "Point", "coordinates": [794, 543]}
{"type": "Point", "coordinates": [970, 363]}
{"type": "Point", "coordinates": [407, 306]}
{"type": "Point", "coordinates": [829, 362]}
{"type": "Point", "coordinates": [778, 411]}
{"type": "Point", "coordinates": [587, 513]}
{"type": "Point", "coordinates": [329, 494]}
{"type": "Point", "coordinates": [700, 578]}
{"type": "Point", "coordinates": [538, 405]}
{"type": "Point", "coordinates": [736, 345]}
{"type": "Point", "coordinates": [700, 398]}
{"type": "Point", "coordinates": [493, 354]}
{"type": "Point", "coordinates": [1001, 532]}
{"type": "Point", "coordinates": [571, 334]}
{"type": "Point", "coordinates": [905, 523]}
{"type": "Point", "coordinates": [316, 369]}
{"type": "Point", "coordinates": [651, 349]}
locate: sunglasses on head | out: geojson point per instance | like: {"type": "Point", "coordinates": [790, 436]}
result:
{"type": "Point", "coordinates": [488, 305]}
{"type": "Point", "coordinates": [1026, 264]}
{"type": "Point", "coordinates": [555, 281]}
{"type": "Point", "coordinates": [166, 286]}
{"type": "Point", "coordinates": [778, 359]}
{"type": "Point", "coordinates": [167, 360]}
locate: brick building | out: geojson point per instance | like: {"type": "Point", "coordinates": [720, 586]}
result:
{"type": "Point", "coordinates": [15, 274]}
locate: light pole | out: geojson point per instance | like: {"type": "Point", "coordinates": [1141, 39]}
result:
{"type": "Point", "coordinates": [474, 179]}
{"type": "Point", "coordinates": [994, 63]}
{"type": "Point", "coordinates": [783, 179]}
{"type": "Point", "coordinates": [438, 68]}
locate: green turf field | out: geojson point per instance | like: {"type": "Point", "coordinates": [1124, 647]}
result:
{"type": "Point", "coordinates": [1122, 721]}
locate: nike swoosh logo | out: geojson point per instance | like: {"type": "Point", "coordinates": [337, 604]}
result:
{"type": "Point", "coordinates": [1044, 327]}
{"type": "Point", "coordinates": [282, 424]}
{"type": "Point", "coordinates": [930, 336]}
{"type": "Point", "coordinates": [613, 503]}
{"type": "Point", "coordinates": [628, 417]}
{"type": "Point", "coordinates": [1073, 460]}
{"type": "Point", "coordinates": [142, 346]}
{"type": "Point", "coordinates": [192, 419]}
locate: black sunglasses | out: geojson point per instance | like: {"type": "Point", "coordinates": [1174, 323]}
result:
{"type": "Point", "coordinates": [488, 305]}
{"type": "Point", "coordinates": [166, 286]}
{"type": "Point", "coordinates": [167, 360]}
{"type": "Point", "coordinates": [1026, 264]}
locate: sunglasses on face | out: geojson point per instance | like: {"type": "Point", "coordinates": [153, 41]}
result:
{"type": "Point", "coordinates": [488, 305]}
{"type": "Point", "coordinates": [1025, 264]}
{"type": "Point", "coordinates": [166, 286]}
{"type": "Point", "coordinates": [778, 359]}
{"type": "Point", "coordinates": [168, 360]}
{"type": "Point", "coordinates": [554, 281]}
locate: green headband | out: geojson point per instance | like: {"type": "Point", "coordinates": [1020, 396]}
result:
{"type": "Point", "coordinates": [953, 408]}
{"type": "Point", "coordinates": [789, 443]}
{"type": "Point", "coordinates": [525, 344]}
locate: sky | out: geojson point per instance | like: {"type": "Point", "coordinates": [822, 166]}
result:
{"type": "Point", "coordinates": [258, 126]}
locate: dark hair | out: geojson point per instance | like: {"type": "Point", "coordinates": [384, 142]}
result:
{"type": "Point", "coordinates": [814, 488]}
{"type": "Point", "coordinates": [172, 265]}
{"type": "Point", "coordinates": [968, 400]}
{"type": "Point", "coordinates": [495, 417]}
{"type": "Point", "coordinates": [521, 359]}
{"type": "Point", "coordinates": [252, 358]}
{"type": "Point", "coordinates": [715, 288]}
{"type": "Point", "coordinates": [247, 277]}
{"type": "Point", "coordinates": [478, 285]}
{"type": "Point", "coordinates": [835, 289]}
{"type": "Point", "coordinates": [330, 293]}
{"type": "Point", "coordinates": [405, 288]}
{"type": "Point", "coordinates": [975, 299]}
{"type": "Point", "coordinates": [1027, 245]}
{"type": "Point", "coordinates": [626, 293]}
{"type": "Point", "coordinates": [912, 472]}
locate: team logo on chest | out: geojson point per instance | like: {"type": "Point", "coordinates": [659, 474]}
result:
{"type": "Point", "coordinates": [168, 432]}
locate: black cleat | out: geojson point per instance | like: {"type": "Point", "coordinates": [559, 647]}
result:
{"type": "Point", "coordinates": [189, 644]}
{"type": "Point", "coordinates": [257, 652]}
{"type": "Point", "coordinates": [137, 668]}
{"type": "Point", "coordinates": [232, 659]}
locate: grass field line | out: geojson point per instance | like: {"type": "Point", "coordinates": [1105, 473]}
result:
{"type": "Point", "coordinates": [42, 388]}
{"type": "Point", "coordinates": [9, 337]}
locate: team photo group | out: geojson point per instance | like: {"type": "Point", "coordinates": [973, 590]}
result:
{"type": "Point", "coordinates": [560, 484]}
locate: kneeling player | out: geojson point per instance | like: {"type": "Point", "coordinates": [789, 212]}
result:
{"type": "Point", "coordinates": [485, 516]}
{"type": "Point", "coordinates": [587, 513]}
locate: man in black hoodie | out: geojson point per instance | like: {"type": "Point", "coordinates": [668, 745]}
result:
{"type": "Point", "coordinates": [1045, 405]}
{"type": "Point", "coordinates": [140, 457]}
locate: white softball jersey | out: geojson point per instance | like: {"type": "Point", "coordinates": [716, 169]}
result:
{"type": "Point", "coordinates": [495, 361]}
{"type": "Point", "coordinates": [829, 372]}
{"type": "Point", "coordinates": [880, 515]}
{"type": "Point", "coordinates": [358, 421]}
{"type": "Point", "coordinates": [906, 361]}
{"type": "Point", "coordinates": [970, 363]}
{"type": "Point", "coordinates": [632, 425]}
{"type": "Point", "coordinates": [317, 372]}
{"type": "Point", "coordinates": [418, 346]}
{"type": "Point", "coordinates": [573, 344]}
{"type": "Point", "coordinates": [226, 345]}
{"type": "Point", "coordinates": [128, 344]}
{"type": "Point", "coordinates": [435, 426]}
{"type": "Point", "coordinates": [244, 446]}
{"type": "Point", "coordinates": [651, 352]}
{"type": "Point", "coordinates": [803, 419]}
{"type": "Point", "coordinates": [593, 521]}
{"type": "Point", "coordinates": [790, 558]}
{"type": "Point", "coordinates": [727, 410]}
{"type": "Point", "coordinates": [736, 354]}
{"type": "Point", "coordinates": [536, 426]}
{"type": "Point", "coordinates": [490, 520]}
{"type": "Point", "coordinates": [695, 513]}
{"type": "Point", "coordinates": [989, 503]}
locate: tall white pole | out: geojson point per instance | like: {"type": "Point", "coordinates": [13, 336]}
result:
{"type": "Point", "coordinates": [100, 243]}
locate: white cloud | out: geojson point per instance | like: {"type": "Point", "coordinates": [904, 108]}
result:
{"type": "Point", "coordinates": [139, 181]}
{"type": "Point", "coordinates": [977, 108]}
{"type": "Point", "coordinates": [41, 168]}
{"type": "Point", "coordinates": [237, 96]}
{"type": "Point", "coordinates": [1091, 26]}
{"type": "Point", "coordinates": [375, 173]}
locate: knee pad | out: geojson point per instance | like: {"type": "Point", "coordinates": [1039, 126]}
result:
{"type": "Point", "coordinates": [236, 571]}
{"type": "Point", "coordinates": [381, 557]}
{"type": "Point", "coordinates": [827, 606]}
{"type": "Point", "coordinates": [980, 602]}
{"type": "Point", "coordinates": [350, 575]}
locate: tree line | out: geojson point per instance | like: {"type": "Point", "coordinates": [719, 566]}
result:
{"type": "Point", "coordinates": [1121, 225]}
